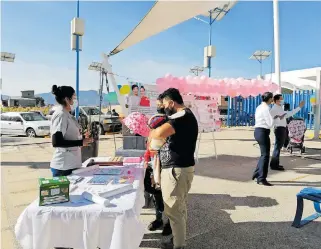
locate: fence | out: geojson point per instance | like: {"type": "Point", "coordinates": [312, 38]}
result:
{"type": "Point", "coordinates": [241, 111]}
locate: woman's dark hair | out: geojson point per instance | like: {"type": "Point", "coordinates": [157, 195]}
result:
{"type": "Point", "coordinates": [160, 98]}
{"type": "Point", "coordinates": [267, 96]}
{"type": "Point", "coordinates": [134, 86]}
{"type": "Point", "coordinates": [62, 92]}
{"type": "Point", "coordinates": [143, 88]}
{"type": "Point", "coordinates": [173, 94]}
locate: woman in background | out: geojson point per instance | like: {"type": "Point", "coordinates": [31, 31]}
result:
{"type": "Point", "coordinates": [66, 133]}
{"type": "Point", "coordinates": [144, 100]}
{"type": "Point", "coordinates": [263, 124]}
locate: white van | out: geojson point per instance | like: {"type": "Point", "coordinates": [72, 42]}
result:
{"type": "Point", "coordinates": [31, 124]}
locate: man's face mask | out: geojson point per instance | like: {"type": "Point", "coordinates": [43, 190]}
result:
{"type": "Point", "coordinates": [161, 110]}
{"type": "Point", "coordinates": [169, 109]}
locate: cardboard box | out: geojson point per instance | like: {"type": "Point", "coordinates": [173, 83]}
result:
{"type": "Point", "coordinates": [53, 190]}
{"type": "Point", "coordinates": [134, 143]}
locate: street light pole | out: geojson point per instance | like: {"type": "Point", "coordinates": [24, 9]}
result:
{"type": "Point", "coordinates": [259, 56]}
{"type": "Point", "coordinates": [196, 70]}
{"type": "Point", "coordinates": [210, 44]}
{"type": "Point", "coordinates": [8, 57]}
{"type": "Point", "coordinates": [98, 67]}
{"type": "Point", "coordinates": [214, 15]}
{"type": "Point", "coordinates": [77, 31]}
{"type": "Point", "coordinates": [77, 66]}
{"type": "Point", "coordinates": [276, 43]}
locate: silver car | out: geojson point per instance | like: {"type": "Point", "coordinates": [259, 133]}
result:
{"type": "Point", "coordinates": [30, 124]}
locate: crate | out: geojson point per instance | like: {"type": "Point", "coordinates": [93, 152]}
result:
{"type": "Point", "coordinates": [134, 143]}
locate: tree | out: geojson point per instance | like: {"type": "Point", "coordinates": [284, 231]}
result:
{"type": "Point", "coordinates": [40, 101]}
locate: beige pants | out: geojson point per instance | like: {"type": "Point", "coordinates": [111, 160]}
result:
{"type": "Point", "coordinates": [176, 182]}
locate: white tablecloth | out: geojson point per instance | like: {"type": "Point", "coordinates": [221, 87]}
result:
{"type": "Point", "coordinates": [85, 225]}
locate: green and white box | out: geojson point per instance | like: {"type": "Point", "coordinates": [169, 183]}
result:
{"type": "Point", "coordinates": [53, 190]}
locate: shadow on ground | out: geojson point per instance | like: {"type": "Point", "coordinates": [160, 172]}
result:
{"type": "Point", "coordinates": [209, 226]}
{"type": "Point", "coordinates": [33, 165]}
{"type": "Point", "coordinates": [240, 168]}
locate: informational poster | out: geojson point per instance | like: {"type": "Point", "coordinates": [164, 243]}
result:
{"type": "Point", "coordinates": [206, 112]}
{"type": "Point", "coordinates": [205, 108]}
{"type": "Point", "coordinates": [143, 100]}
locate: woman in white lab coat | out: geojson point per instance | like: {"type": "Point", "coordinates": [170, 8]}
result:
{"type": "Point", "coordinates": [66, 133]}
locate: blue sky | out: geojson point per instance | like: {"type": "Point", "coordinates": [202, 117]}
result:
{"type": "Point", "coordinates": [39, 34]}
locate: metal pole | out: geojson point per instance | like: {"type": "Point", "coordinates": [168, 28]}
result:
{"type": "Point", "coordinates": [1, 89]}
{"type": "Point", "coordinates": [260, 69]}
{"type": "Point", "coordinates": [77, 66]}
{"type": "Point", "coordinates": [100, 91]}
{"type": "Point", "coordinates": [276, 43]}
{"type": "Point", "coordinates": [229, 106]}
{"type": "Point", "coordinates": [317, 115]}
{"type": "Point", "coordinates": [210, 43]}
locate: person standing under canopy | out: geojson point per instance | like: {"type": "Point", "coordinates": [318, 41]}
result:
{"type": "Point", "coordinates": [177, 161]}
{"type": "Point", "coordinates": [263, 124]}
{"type": "Point", "coordinates": [280, 128]}
{"type": "Point", "coordinates": [66, 136]}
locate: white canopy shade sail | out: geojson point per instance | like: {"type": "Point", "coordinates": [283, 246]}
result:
{"type": "Point", "coordinates": [304, 79]}
{"type": "Point", "coordinates": [166, 14]}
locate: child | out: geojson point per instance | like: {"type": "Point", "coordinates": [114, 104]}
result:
{"type": "Point", "coordinates": [151, 156]}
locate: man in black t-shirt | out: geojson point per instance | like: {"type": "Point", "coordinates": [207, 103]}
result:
{"type": "Point", "coordinates": [177, 160]}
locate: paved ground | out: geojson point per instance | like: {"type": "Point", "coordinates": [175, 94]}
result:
{"type": "Point", "coordinates": [226, 209]}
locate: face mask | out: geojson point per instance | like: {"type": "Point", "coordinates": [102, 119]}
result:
{"type": "Point", "coordinates": [281, 102]}
{"type": "Point", "coordinates": [161, 110]}
{"type": "Point", "coordinates": [75, 104]}
{"type": "Point", "coordinates": [169, 112]}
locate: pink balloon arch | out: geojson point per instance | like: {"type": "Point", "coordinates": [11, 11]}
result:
{"type": "Point", "coordinates": [205, 86]}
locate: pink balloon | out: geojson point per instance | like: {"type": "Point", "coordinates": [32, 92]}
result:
{"type": "Point", "coordinates": [188, 79]}
{"type": "Point", "coordinates": [253, 82]}
{"type": "Point", "coordinates": [274, 87]}
{"type": "Point", "coordinates": [221, 81]}
{"type": "Point", "coordinates": [226, 80]}
{"type": "Point", "coordinates": [196, 80]}
{"type": "Point", "coordinates": [240, 79]}
{"type": "Point", "coordinates": [175, 82]}
{"type": "Point", "coordinates": [245, 94]}
{"type": "Point", "coordinates": [168, 75]}
{"type": "Point", "coordinates": [232, 93]}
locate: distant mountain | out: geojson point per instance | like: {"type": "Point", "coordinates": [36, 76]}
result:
{"type": "Point", "coordinates": [90, 97]}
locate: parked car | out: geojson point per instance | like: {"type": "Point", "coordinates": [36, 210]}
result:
{"type": "Point", "coordinates": [90, 115]}
{"type": "Point", "coordinates": [107, 122]}
{"type": "Point", "coordinates": [30, 124]}
{"type": "Point", "coordinates": [41, 113]}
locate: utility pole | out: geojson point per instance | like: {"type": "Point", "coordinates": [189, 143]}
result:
{"type": "Point", "coordinates": [196, 70]}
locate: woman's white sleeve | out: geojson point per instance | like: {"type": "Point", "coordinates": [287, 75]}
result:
{"type": "Point", "coordinates": [59, 124]}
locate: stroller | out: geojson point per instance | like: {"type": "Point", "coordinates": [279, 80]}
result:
{"type": "Point", "coordinates": [296, 128]}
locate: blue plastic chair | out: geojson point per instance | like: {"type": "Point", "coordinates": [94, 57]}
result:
{"type": "Point", "coordinates": [311, 194]}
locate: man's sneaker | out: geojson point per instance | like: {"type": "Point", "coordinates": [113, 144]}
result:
{"type": "Point", "coordinates": [156, 224]}
{"type": "Point", "coordinates": [167, 230]}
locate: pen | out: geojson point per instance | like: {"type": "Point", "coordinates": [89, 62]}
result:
{"type": "Point", "coordinates": [79, 179]}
